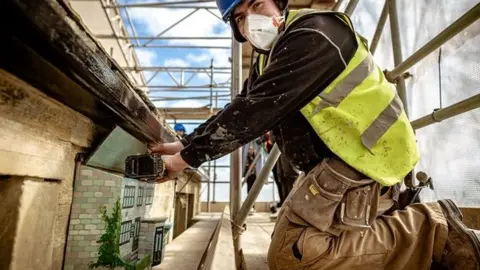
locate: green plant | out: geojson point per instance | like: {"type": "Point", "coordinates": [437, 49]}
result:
{"type": "Point", "coordinates": [109, 249]}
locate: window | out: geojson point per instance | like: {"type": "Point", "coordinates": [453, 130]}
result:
{"type": "Point", "coordinates": [140, 196]}
{"type": "Point", "coordinates": [136, 234]}
{"type": "Point", "coordinates": [128, 197]}
{"type": "Point", "coordinates": [149, 196]}
{"type": "Point", "coordinates": [125, 232]}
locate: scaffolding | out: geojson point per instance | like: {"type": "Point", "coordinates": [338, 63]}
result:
{"type": "Point", "coordinates": [396, 76]}
{"type": "Point", "coordinates": [217, 91]}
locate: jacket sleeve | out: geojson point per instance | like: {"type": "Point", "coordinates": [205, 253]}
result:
{"type": "Point", "coordinates": [303, 63]}
{"type": "Point", "coordinates": [188, 138]}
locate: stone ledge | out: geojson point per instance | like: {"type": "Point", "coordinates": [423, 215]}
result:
{"type": "Point", "coordinates": [154, 220]}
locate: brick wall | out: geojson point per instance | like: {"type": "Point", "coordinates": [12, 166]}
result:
{"type": "Point", "coordinates": [93, 188]}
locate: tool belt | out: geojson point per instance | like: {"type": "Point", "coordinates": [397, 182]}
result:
{"type": "Point", "coordinates": [335, 196]}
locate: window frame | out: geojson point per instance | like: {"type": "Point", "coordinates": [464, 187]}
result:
{"type": "Point", "coordinates": [128, 225]}
{"type": "Point", "coordinates": [148, 196]}
{"type": "Point", "coordinates": [129, 197]}
{"type": "Point", "coordinates": [140, 196]}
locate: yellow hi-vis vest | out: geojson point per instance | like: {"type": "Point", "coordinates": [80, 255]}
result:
{"type": "Point", "coordinates": [360, 117]}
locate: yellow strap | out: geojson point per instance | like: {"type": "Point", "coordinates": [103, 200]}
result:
{"type": "Point", "coordinates": [261, 63]}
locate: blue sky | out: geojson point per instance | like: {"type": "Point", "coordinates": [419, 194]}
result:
{"type": "Point", "coordinates": [152, 21]}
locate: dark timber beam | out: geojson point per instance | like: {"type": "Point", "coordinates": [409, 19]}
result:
{"type": "Point", "coordinates": [46, 45]}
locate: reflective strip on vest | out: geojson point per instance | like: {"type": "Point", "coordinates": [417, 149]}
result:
{"type": "Point", "coordinates": [386, 118]}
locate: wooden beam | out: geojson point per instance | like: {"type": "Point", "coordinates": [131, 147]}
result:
{"type": "Point", "coordinates": [188, 113]}
{"type": "Point", "coordinates": [220, 254]}
{"type": "Point", "coordinates": [50, 31]}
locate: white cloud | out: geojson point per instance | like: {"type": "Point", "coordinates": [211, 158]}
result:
{"type": "Point", "coordinates": [199, 24]}
{"type": "Point", "coordinates": [176, 62]}
{"type": "Point", "coordinates": [186, 104]}
{"type": "Point", "coordinates": [145, 57]}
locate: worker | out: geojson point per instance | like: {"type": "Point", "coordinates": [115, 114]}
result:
{"type": "Point", "coordinates": [335, 117]}
{"type": "Point", "coordinates": [284, 174]}
{"type": "Point", "coordinates": [180, 130]}
{"type": "Point", "coordinates": [249, 159]}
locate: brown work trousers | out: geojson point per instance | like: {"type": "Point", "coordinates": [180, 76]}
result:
{"type": "Point", "coordinates": [335, 218]}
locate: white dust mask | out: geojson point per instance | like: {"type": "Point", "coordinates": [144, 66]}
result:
{"type": "Point", "coordinates": [262, 30]}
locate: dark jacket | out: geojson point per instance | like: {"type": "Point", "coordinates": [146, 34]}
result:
{"type": "Point", "coordinates": [307, 58]}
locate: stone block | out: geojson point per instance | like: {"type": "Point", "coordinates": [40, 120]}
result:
{"type": "Point", "coordinates": [92, 211]}
{"type": "Point", "coordinates": [86, 172]}
{"type": "Point", "coordinates": [85, 221]}
{"type": "Point", "coordinates": [98, 194]}
{"type": "Point", "coordinates": [75, 205]}
{"type": "Point", "coordinates": [78, 227]}
{"type": "Point", "coordinates": [73, 232]}
{"type": "Point", "coordinates": [83, 232]}
{"type": "Point", "coordinates": [91, 200]}
{"type": "Point", "coordinates": [90, 226]}
{"type": "Point", "coordinates": [78, 237]}
{"type": "Point", "coordinates": [91, 248]}
{"type": "Point", "coordinates": [83, 255]}
{"type": "Point", "coordinates": [86, 206]}
{"type": "Point", "coordinates": [74, 221]}
{"type": "Point", "coordinates": [83, 243]}
{"type": "Point", "coordinates": [97, 221]}
{"type": "Point", "coordinates": [72, 255]}
{"type": "Point", "coordinates": [77, 248]}
{"type": "Point", "coordinates": [81, 189]}
{"type": "Point", "coordinates": [109, 183]}
{"type": "Point", "coordinates": [77, 194]}
{"type": "Point", "coordinates": [88, 194]}
{"type": "Point", "coordinates": [98, 182]}
{"type": "Point", "coordinates": [87, 182]}
{"type": "Point", "coordinates": [104, 189]}
{"type": "Point", "coordinates": [95, 232]}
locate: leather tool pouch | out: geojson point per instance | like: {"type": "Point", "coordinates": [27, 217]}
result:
{"type": "Point", "coordinates": [326, 198]}
{"type": "Point", "coordinates": [358, 208]}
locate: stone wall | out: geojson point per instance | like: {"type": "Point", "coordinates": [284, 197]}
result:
{"type": "Point", "coordinates": [39, 140]}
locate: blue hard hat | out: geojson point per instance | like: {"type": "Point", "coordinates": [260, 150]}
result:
{"type": "Point", "coordinates": [226, 7]}
{"type": "Point", "coordinates": [179, 127]}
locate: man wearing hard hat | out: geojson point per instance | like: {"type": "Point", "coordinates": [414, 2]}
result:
{"type": "Point", "coordinates": [334, 116]}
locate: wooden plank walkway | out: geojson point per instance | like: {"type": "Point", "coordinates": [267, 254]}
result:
{"type": "Point", "coordinates": [186, 251]}
{"type": "Point", "coordinates": [256, 240]}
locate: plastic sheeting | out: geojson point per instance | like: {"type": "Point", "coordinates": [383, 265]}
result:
{"type": "Point", "coordinates": [450, 150]}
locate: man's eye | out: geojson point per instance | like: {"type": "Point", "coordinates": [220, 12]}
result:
{"type": "Point", "coordinates": [239, 19]}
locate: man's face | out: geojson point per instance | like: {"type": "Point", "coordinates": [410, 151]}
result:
{"type": "Point", "coordinates": [246, 7]}
{"type": "Point", "coordinates": [180, 132]}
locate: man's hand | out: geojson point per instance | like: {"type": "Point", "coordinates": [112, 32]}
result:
{"type": "Point", "coordinates": [174, 165]}
{"type": "Point", "coordinates": [166, 148]}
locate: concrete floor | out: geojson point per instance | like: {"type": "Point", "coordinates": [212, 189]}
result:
{"type": "Point", "coordinates": [256, 240]}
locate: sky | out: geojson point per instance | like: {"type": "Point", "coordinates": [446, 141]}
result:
{"type": "Point", "coordinates": [151, 22]}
